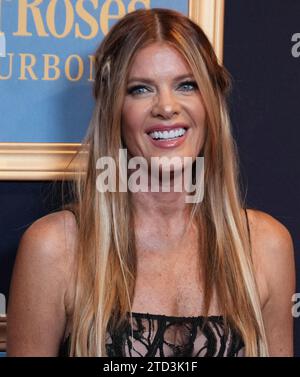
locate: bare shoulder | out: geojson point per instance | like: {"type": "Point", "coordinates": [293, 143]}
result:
{"type": "Point", "coordinates": [37, 311]}
{"type": "Point", "coordinates": [53, 229]}
{"type": "Point", "coordinates": [51, 239]}
{"type": "Point", "coordinates": [270, 234]}
{"type": "Point", "coordinates": [51, 242]}
{"type": "Point", "coordinates": [273, 251]}
{"type": "Point", "coordinates": [273, 256]}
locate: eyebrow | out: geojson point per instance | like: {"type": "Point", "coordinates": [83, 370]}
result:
{"type": "Point", "coordinates": [149, 81]}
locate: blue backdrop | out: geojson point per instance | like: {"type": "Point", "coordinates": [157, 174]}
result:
{"type": "Point", "coordinates": [264, 108]}
{"type": "Point", "coordinates": [46, 75]}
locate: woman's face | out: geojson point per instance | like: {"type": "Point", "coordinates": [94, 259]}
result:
{"type": "Point", "coordinates": [163, 113]}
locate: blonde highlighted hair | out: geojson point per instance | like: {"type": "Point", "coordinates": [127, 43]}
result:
{"type": "Point", "coordinates": [106, 264]}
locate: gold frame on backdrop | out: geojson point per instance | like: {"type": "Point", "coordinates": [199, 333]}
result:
{"type": "Point", "coordinates": [48, 161]}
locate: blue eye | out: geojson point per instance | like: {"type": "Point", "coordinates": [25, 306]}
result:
{"type": "Point", "coordinates": [186, 86]}
{"type": "Point", "coordinates": [136, 90]}
{"type": "Point", "coordinates": [189, 85]}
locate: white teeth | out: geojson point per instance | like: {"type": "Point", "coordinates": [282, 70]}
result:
{"type": "Point", "coordinates": [172, 133]}
{"type": "Point", "coordinates": [168, 134]}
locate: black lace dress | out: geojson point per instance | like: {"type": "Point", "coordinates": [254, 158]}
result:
{"type": "Point", "coordinates": [167, 336]}
{"type": "Point", "coordinates": [170, 336]}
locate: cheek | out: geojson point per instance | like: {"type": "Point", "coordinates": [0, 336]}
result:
{"type": "Point", "coordinates": [129, 127]}
{"type": "Point", "coordinates": [129, 131]}
{"type": "Point", "coordinates": [199, 118]}
{"type": "Point", "coordinates": [127, 120]}
{"type": "Point", "coordinates": [134, 114]}
{"type": "Point", "coordinates": [199, 112]}
{"type": "Point", "coordinates": [198, 115]}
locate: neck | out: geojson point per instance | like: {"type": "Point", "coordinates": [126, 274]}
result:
{"type": "Point", "coordinates": [162, 221]}
{"type": "Point", "coordinates": [164, 205]}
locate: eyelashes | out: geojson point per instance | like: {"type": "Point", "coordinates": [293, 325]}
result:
{"type": "Point", "coordinates": [134, 90]}
{"type": "Point", "coordinates": [190, 83]}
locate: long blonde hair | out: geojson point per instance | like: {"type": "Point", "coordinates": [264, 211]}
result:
{"type": "Point", "coordinates": [106, 262]}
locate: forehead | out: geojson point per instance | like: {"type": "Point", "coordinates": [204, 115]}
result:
{"type": "Point", "coordinates": [158, 60]}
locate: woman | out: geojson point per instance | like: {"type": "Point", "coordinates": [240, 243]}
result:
{"type": "Point", "coordinates": [145, 273]}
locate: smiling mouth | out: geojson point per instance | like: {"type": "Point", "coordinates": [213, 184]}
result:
{"type": "Point", "coordinates": [168, 135]}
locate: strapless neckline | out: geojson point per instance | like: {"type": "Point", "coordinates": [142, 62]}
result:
{"type": "Point", "coordinates": [164, 316]}
{"type": "Point", "coordinates": [164, 335]}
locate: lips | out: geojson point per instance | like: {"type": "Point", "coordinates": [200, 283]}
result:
{"type": "Point", "coordinates": [168, 137]}
{"type": "Point", "coordinates": [163, 127]}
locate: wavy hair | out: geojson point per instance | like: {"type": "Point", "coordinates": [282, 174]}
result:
{"type": "Point", "coordinates": [106, 262]}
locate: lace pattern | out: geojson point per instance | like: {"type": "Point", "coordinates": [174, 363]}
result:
{"type": "Point", "coordinates": [167, 336]}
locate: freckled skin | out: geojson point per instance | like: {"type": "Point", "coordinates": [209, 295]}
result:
{"type": "Point", "coordinates": [165, 258]}
{"type": "Point", "coordinates": [163, 101]}
{"type": "Point", "coordinates": [168, 282]}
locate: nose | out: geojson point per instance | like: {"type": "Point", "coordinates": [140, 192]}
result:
{"type": "Point", "coordinates": [165, 105]}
